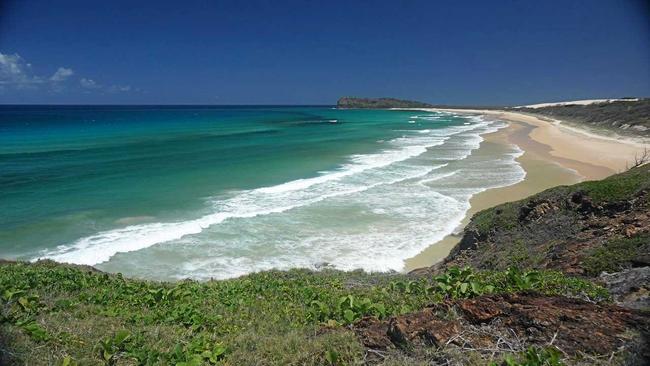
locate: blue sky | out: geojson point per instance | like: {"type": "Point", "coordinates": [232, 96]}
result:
{"type": "Point", "coordinates": [312, 52]}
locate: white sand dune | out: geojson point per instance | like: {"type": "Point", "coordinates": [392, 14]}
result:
{"type": "Point", "coordinates": [577, 102]}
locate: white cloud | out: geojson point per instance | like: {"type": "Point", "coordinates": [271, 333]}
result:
{"type": "Point", "coordinates": [89, 84]}
{"type": "Point", "coordinates": [119, 88]}
{"type": "Point", "coordinates": [61, 74]}
{"type": "Point", "coordinates": [14, 71]}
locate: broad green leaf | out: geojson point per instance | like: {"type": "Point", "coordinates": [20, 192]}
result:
{"type": "Point", "coordinates": [332, 357]}
{"type": "Point", "coordinates": [121, 336]}
{"type": "Point", "coordinates": [23, 302]}
{"type": "Point", "coordinates": [348, 315]}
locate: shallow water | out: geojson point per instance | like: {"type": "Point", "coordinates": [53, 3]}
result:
{"type": "Point", "coordinates": [217, 192]}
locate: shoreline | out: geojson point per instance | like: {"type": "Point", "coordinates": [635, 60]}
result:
{"type": "Point", "coordinates": [553, 155]}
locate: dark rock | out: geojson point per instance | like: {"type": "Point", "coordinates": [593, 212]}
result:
{"type": "Point", "coordinates": [577, 197]}
{"type": "Point", "coordinates": [423, 326]}
{"type": "Point", "coordinates": [641, 260]}
{"type": "Point", "coordinates": [616, 207]}
{"type": "Point", "coordinates": [535, 210]}
{"type": "Point", "coordinates": [373, 333]}
{"type": "Point", "coordinates": [469, 241]}
{"type": "Point", "coordinates": [586, 206]}
{"type": "Point", "coordinates": [630, 287]}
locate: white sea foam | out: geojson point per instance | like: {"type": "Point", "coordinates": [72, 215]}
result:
{"type": "Point", "coordinates": [359, 163]}
{"type": "Point", "coordinates": [371, 213]}
{"type": "Point", "coordinates": [438, 177]}
{"type": "Point", "coordinates": [263, 201]}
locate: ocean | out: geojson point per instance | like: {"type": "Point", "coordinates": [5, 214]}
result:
{"type": "Point", "coordinates": [217, 192]}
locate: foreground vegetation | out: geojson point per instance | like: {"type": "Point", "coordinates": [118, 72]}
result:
{"type": "Point", "coordinates": [67, 315]}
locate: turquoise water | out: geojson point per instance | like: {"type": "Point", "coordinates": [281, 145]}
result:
{"type": "Point", "coordinates": [174, 192]}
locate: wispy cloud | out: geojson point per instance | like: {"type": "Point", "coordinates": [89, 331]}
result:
{"type": "Point", "coordinates": [119, 88]}
{"type": "Point", "coordinates": [89, 84]}
{"type": "Point", "coordinates": [16, 73]}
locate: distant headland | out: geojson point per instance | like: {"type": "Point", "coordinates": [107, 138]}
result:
{"type": "Point", "coordinates": [378, 103]}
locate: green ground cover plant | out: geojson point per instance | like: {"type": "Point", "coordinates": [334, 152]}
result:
{"type": "Point", "coordinates": [74, 315]}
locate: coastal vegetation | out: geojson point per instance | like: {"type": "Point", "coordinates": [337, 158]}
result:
{"type": "Point", "coordinates": [59, 313]}
{"type": "Point", "coordinates": [524, 287]}
{"type": "Point", "coordinates": [378, 103]}
{"type": "Point", "coordinates": [628, 117]}
{"type": "Point", "coordinates": [570, 228]}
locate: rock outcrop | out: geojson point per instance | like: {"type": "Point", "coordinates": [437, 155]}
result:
{"type": "Point", "coordinates": [582, 230]}
{"type": "Point", "coordinates": [629, 288]}
{"type": "Point", "coordinates": [511, 322]}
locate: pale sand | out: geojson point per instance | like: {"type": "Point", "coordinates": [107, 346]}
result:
{"type": "Point", "coordinates": [579, 102]}
{"type": "Point", "coordinates": [593, 156]}
{"type": "Point", "coordinates": [553, 155]}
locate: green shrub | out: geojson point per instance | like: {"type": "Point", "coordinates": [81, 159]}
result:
{"type": "Point", "coordinates": [110, 347]}
{"type": "Point", "coordinates": [615, 254]}
{"type": "Point", "coordinates": [502, 217]}
{"type": "Point", "coordinates": [553, 283]}
{"type": "Point", "coordinates": [617, 187]}
{"type": "Point", "coordinates": [461, 283]}
{"type": "Point", "coordinates": [534, 356]}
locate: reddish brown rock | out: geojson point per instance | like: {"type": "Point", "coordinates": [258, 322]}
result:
{"type": "Point", "coordinates": [573, 325]}
{"type": "Point", "coordinates": [373, 333]}
{"type": "Point", "coordinates": [423, 326]}
{"type": "Point", "coordinates": [484, 311]}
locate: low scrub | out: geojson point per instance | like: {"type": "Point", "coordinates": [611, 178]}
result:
{"type": "Point", "coordinates": [616, 254]}
{"type": "Point", "coordinates": [75, 316]}
{"type": "Point", "coordinates": [534, 356]}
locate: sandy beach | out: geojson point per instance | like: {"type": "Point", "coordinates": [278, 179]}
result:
{"type": "Point", "coordinates": [554, 154]}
